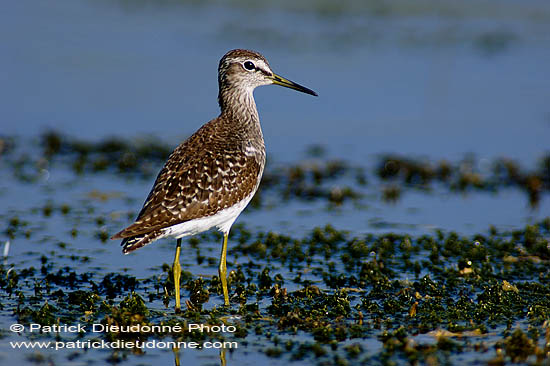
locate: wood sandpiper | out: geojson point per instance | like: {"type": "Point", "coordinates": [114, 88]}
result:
{"type": "Point", "coordinates": [211, 177]}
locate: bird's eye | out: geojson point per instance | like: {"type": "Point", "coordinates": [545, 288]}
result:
{"type": "Point", "coordinates": [249, 65]}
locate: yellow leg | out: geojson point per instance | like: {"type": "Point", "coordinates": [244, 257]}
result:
{"type": "Point", "coordinates": [176, 268]}
{"type": "Point", "coordinates": [223, 271]}
{"type": "Point", "coordinates": [223, 362]}
{"type": "Point", "coordinates": [176, 355]}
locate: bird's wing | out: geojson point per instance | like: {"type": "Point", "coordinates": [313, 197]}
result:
{"type": "Point", "coordinates": [196, 182]}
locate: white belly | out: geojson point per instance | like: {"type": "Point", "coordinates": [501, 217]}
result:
{"type": "Point", "coordinates": [222, 220]}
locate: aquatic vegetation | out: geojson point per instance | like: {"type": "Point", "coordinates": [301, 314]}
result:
{"type": "Point", "coordinates": [467, 175]}
{"type": "Point", "coordinates": [384, 287]}
{"type": "Point", "coordinates": [323, 296]}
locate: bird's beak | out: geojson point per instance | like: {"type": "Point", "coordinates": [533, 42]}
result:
{"type": "Point", "coordinates": [279, 80]}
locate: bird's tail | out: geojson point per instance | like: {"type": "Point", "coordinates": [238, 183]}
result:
{"type": "Point", "coordinates": [132, 243]}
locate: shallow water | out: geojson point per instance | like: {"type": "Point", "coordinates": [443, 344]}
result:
{"type": "Point", "coordinates": [435, 81]}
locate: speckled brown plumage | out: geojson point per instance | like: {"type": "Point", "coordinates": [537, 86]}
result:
{"type": "Point", "coordinates": [207, 173]}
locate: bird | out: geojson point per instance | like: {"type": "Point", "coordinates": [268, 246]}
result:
{"type": "Point", "coordinates": [210, 178]}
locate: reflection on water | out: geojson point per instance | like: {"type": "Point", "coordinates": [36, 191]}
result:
{"type": "Point", "coordinates": [177, 362]}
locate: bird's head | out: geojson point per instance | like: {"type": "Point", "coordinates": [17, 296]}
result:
{"type": "Point", "coordinates": [248, 69]}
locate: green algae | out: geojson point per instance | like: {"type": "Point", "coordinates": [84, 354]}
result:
{"type": "Point", "coordinates": [465, 175]}
{"type": "Point", "coordinates": [474, 287]}
{"type": "Point", "coordinates": [327, 297]}
{"type": "Point", "coordinates": [318, 178]}
{"type": "Point", "coordinates": [112, 154]}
